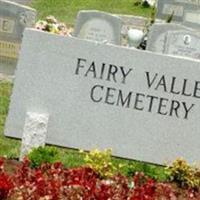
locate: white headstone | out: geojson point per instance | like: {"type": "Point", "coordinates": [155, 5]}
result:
{"type": "Point", "coordinates": [143, 105]}
{"type": "Point", "coordinates": [98, 26]}
{"type": "Point", "coordinates": [34, 133]}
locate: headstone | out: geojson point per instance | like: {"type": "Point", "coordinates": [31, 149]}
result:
{"type": "Point", "coordinates": [34, 133]}
{"type": "Point", "coordinates": [13, 20]}
{"type": "Point", "coordinates": [143, 105]}
{"type": "Point", "coordinates": [183, 43]}
{"type": "Point", "coordinates": [98, 26]}
{"type": "Point", "coordinates": [157, 35]}
{"type": "Point", "coordinates": [177, 7]}
{"type": "Point", "coordinates": [192, 18]}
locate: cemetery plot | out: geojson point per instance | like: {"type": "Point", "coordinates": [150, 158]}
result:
{"type": "Point", "coordinates": [142, 105]}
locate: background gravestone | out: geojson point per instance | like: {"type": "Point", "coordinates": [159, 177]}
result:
{"type": "Point", "coordinates": [143, 105]}
{"type": "Point", "coordinates": [98, 26]}
{"type": "Point", "coordinates": [192, 18]}
{"type": "Point", "coordinates": [158, 33]}
{"type": "Point", "coordinates": [183, 43]}
{"type": "Point", "coordinates": [178, 7]}
{"type": "Point", "coordinates": [13, 20]}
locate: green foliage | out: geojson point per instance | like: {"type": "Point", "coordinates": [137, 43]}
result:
{"type": "Point", "coordinates": [153, 171]}
{"type": "Point", "coordinates": [8, 147]}
{"type": "Point", "coordinates": [43, 155]}
{"type": "Point", "coordinates": [66, 10]}
{"type": "Point", "coordinates": [170, 18]}
{"type": "Point", "coordinates": [184, 174]}
{"type": "Point", "coordinates": [101, 162]}
{"type": "Point", "coordinates": [153, 15]}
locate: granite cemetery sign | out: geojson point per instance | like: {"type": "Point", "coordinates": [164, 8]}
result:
{"type": "Point", "coordinates": [143, 105]}
{"type": "Point", "coordinates": [98, 26]}
{"type": "Point", "coordinates": [13, 20]}
{"type": "Point", "coordinates": [182, 10]}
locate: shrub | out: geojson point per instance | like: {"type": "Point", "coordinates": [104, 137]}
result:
{"type": "Point", "coordinates": [155, 172]}
{"type": "Point", "coordinates": [101, 162]}
{"type": "Point", "coordinates": [54, 182]}
{"type": "Point", "coordinates": [184, 174]}
{"type": "Point", "coordinates": [43, 155]}
{"type": "Point", "coordinates": [5, 183]}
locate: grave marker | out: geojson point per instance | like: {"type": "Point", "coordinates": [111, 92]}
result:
{"type": "Point", "coordinates": [192, 19]}
{"type": "Point", "coordinates": [13, 20]}
{"type": "Point", "coordinates": [143, 105]}
{"type": "Point", "coordinates": [183, 43]}
{"type": "Point", "coordinates": [98, 26]}
{"type": "Point", "coordinates": [158, 33]}
{"type": "Point", "coordinates": [178, 8]}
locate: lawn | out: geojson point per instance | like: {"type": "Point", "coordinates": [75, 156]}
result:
{"type": "Point", "coordinates": [66, 10]}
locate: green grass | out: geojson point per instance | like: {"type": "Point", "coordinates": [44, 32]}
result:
{"type": "Point", "coordinates": [8, 147]}
{"type": "Point", "coordinates": [66, 10]}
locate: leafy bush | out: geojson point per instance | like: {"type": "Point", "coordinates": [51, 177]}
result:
{"type": "Point", "coordinates": [43, 155]}
{"type": "Point", "coordinates": [155, 172]}
{"type": "Point", "coordinates": [54, 182]}
{"type": "Point", "coordinates": [101, 162]}
{"type": "Point", "coordinates": [184, 174]}
{"type": "Point", "coordinates": [5, 183]}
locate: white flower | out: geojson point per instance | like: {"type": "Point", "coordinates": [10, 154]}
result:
{"type": "Point", "coordinates": [150, 2]}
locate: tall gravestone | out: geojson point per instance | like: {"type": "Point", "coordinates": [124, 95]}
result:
{"type": "Point", "coordinates": [13, 20]}
{"type": "Point", "coordinates": [143, 105]}
{"type": "Point", "coordinates": [98, 26]}
{"type": "Point", "coordinates": [184, 11]}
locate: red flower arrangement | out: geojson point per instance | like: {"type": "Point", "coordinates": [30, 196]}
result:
{"type": "Point", "coordinates": [54, 182]}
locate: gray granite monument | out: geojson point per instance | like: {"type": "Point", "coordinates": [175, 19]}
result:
{"type": "Point", "coordinates": [98, 26]}
{"type": "Point", "coordinates": [191, 18]}
{"type": "Point", "coordinates": [157, 35]}
{"type": "Point", "coordinates": [183, 43]}
{"type": "Point", "coordinates": [174, 39]}
{"type": "Point", "coordinates": [13, 20]}
{"type": "Point", "coordinates": [143, 105]}
{"type": "Point", "coordinates": [177, 8]}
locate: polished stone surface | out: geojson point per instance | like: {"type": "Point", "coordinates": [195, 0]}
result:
{"type": "Point", "coordinates": [143, 105]}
